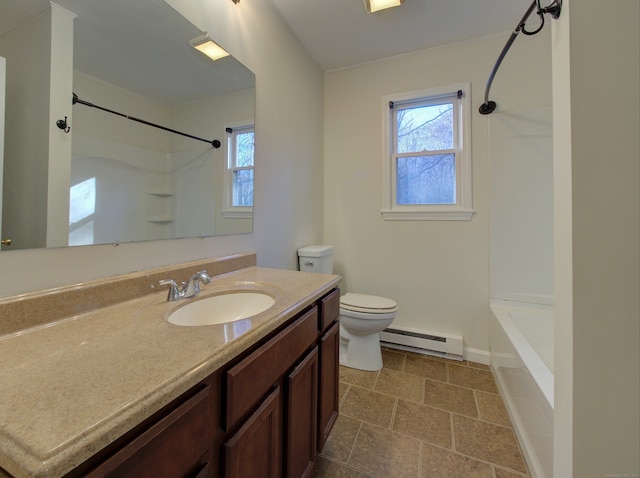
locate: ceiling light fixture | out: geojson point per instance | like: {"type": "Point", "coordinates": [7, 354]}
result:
{"type": "Point", "coordinates": [206, 45]}
{"type": "Point", "coordinates": [377, 5]}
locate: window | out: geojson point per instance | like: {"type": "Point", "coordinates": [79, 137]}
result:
{"type": "Point", "coordinates": [82, 210]}
{"type": "Point", "coordinates": [240, 163]}
{"type": "Point", "coordinates": [427, 163]}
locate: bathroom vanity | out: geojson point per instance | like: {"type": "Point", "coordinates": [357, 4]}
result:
{"type": "Point", "coordinates": [119, 391]}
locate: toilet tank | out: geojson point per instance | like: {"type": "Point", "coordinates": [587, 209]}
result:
{"type": "Point", "coordinates": [316, 259]}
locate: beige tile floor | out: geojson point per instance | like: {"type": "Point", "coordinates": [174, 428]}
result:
{"type": "Point", "coordinates": [421, 417]}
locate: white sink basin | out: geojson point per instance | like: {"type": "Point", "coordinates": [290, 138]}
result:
{"type": "Point", "coordinates": [221, 309]}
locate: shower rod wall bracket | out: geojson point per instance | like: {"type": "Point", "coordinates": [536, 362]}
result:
{"type": "Point", "coordinates": [488, 107]}
{"type": "Point", "coordinates": [552, 9]}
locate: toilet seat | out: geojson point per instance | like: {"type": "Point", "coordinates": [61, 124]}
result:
{"type": "Point", "coordinates": [367, 304]}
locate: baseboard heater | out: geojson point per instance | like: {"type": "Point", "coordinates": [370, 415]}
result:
{"type": "Point", "coordinates": [448, 346]}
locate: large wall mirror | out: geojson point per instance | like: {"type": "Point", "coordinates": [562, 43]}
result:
{"type": "Point", "coordinates": [78, 174]}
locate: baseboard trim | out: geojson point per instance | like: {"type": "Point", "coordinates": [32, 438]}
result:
{"type": "Point", "coordinates": [478, 356]}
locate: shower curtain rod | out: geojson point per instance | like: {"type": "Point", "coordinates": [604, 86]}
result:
{"type": "Point", "coordinates": [554, 9]}
{"type": "Point", "coordinates": [215, 143]}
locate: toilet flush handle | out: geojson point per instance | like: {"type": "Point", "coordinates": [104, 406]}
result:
{"type": "Point", "coordinates": [308, 263]}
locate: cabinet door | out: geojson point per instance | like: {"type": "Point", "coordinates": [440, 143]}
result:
{"type": "Point", "coordinates": [328, 383]}
{"type": "Point", "coordinates": [254, 450]}
{"type": "Point", "coordinates": [176, 446]}
{"type": "Point", "coordinates": [302, 412]}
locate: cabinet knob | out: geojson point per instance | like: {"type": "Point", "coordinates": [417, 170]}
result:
{"type": "Point", "coordinates": [6, 242]}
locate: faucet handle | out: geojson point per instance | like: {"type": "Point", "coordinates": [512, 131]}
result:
{"type": "Point", "coordinates": [203, 276]}
{"type": "Point", "coordinates": [174, 291]}
{"type": "Point", "coordinates": [192, 286]}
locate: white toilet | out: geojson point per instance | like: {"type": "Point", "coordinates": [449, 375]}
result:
{"type": "Point", "coordinates": [361, 316]}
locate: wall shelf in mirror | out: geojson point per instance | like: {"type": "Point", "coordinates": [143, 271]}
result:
{"type": "Point", "coordinates": [160, 219]}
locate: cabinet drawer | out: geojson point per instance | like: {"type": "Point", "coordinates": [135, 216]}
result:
{"type": "Point", "coordinates": [249, 380]}
{"type": "Point", "coordinates": [329, 309]}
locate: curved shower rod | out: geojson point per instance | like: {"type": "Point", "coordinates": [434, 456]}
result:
{"type": "Point", "coordinates": [554, 9]}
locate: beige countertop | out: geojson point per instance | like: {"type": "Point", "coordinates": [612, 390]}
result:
{"type": "Point", "coordinates": [70, 388]}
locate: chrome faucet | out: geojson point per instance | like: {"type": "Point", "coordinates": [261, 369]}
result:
{"type": "Point", "coordinates": [193, 284]}
{"type": "Point", "coordinates": [189, 288]}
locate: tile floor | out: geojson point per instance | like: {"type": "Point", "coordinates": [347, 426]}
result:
{"type": "Point", "coordinates": [422, 417]}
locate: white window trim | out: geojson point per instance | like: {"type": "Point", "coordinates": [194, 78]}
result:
{"type": "Point", "coordinates": [229, 211]}
{"type": "Point", "coordinates": [463, 209]}
{"type": "Point", "coordinates": [238, 213]}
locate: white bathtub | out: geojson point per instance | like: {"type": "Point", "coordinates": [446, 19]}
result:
{"type": "Point", "coordinates": [522, 360]}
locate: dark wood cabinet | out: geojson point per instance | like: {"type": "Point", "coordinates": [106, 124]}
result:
{"type": "Point", "coordinates": [266, 414]}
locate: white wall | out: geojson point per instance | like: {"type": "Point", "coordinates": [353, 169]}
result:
{"type": "Point", "coordinates": [59, 167]}
{"type": "Point", "coordinates": [3, 80]}
{"type": "Point", "coordinates": [437, 271]}
{"type": "Point", "coordinates": [289, 127]}
{"type": "Point", "coordinates": [597, 239]}
{"type": "Point", "coordinates": [124, 176]}
{"type": "Point", "coordinates": [95, 123]}
{"type": "Point", "coordinates": [521, 205]}
{"type": "Point", "coordinates": [208, 119]}
{"type": "Point", "coordinates": [27, 104]}
{"type": "Point", "coordinates": [288, 187]}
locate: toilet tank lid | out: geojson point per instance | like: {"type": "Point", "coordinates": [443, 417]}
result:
{"type": "Point", "coordinates": [315, 251]}
{"type": "Point", "coordinates": [362, 302]}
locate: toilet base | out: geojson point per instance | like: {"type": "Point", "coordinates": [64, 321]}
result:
{"type": "Point", "coordinates": [361, 352]}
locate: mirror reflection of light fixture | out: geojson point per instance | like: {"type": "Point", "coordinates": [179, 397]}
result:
{"type": "Point", "coordinates": [206, 45]}
{"type": "Point", "coordinates": [377, 5]}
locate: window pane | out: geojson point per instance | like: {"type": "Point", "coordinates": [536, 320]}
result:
{"type": "Point", "coordinates": [426, 179]}
{"type": "Point", "coordinates": [82, 236]}
{"type": "Point", "coordinates": [244, 154]}
{"type": "Point", "coordinates": [425, 128]}
{"type": "Point", "coordinates": [243, 187]}
{"type": "Point", "coordinates": [82, 200]}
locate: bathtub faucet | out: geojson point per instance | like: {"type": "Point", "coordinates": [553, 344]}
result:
{"type": "Point", "coordinates": [189, 288]}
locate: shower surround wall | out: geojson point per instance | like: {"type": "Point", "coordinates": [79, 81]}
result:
{"type": "Point", "coordinates": [521, 205]}
{"type": "Point", "coordinates": [169, 186]}
{"type": "Point", "coordinates": [521, 276]}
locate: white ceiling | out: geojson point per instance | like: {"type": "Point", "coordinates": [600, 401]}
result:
{"type": "Point", "coordinates": [141, 46]}
{"type": "Point", "coordinates": [336, 33]}
{"type": "Point", "coordinates": [339, 33]}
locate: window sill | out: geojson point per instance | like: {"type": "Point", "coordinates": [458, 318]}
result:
{"type": "Point", "coordinates": [244, 213]}
{"type": "Point", "coordinates": [439, 215]}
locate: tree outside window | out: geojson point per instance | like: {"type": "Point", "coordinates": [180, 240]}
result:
{"type": "Point", "coordinates": [425, 167]}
